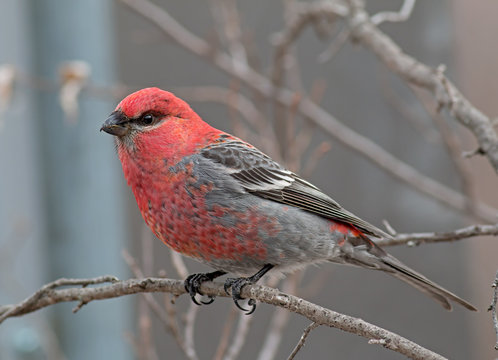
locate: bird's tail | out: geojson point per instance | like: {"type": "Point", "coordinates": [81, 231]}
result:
{"type": "Point", "coordinates": [372, 256]}
{"type": "Point", "coordinates": [419, 281]}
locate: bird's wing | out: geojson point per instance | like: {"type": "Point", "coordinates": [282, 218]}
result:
{"type": "Point", "coordinates": [258, 174]}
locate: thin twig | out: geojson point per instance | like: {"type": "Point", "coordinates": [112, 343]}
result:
{"type": "Point", "coordinates": [233, 31]}
{"type": "Point", "coordinates": [33, 300]}
{"type": "Point", "coordinates": [279, 320]}
{"type": "Point", "coordinates": [416, 73]}
{"type": "Point", "coordinates": [189, 330]}
{"type": "Point", "coordinates": [147, 348]}
{"type": "Point", "coordinates": [395, 16]}
{"type": "Point", "coordinates": [225, 335]}
{"type": "Point", "coordinates": [167, 318]}
{"type": "Point", "coordinates": [435, 237]}
{"type": "Point", "coordinates": [240, 336]}
{"type": "Point", "coordinates": [335, 46]}
{"type": "Point", "coordinates": [492, 308]}
{"type": "Point", "coordinates": [303, 16]}
{"type": "Point", "coordinates": [407, 110]}
{"type": "Point", "coordinates": [284, 62]}
{"type": "Point", "coordinates": [179, 265]}
{"type": "Point", "coordinates": [453, 147]}
{"type": "Point", "coordinates": [302, 340]}
{"type": "Point", "coordinates": [173, 324]}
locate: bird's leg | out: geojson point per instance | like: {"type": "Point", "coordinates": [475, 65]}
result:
{"type": "Point", "coordinates": [236, 284]}
{"type": "Point", "coordinates": [193, 284]}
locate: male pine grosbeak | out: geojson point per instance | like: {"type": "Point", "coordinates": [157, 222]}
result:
{"type": "Point", "coordinates": [217, 199]}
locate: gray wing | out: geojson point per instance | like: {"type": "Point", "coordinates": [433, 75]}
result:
{"type": "Point", "coordinates": [258, 174]}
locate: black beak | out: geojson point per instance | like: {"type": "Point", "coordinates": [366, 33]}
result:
{"type": "Point", "coordinates": [116, 124]}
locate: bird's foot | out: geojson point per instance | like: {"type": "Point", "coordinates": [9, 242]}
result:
{"type": "Point", "coordinates": [236, 284]}
{"type": "Point", "coordinates": [193, 285]}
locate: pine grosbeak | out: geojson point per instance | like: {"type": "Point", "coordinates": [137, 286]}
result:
{"type": "Point", "coordinates": [217, 199]}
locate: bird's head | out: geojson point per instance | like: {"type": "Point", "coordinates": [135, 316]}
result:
{"type": "Point", "coordinates": [146, 113]}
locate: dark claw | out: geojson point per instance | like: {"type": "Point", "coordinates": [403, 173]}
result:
{"type": "Point", "coordinates": [252, 303]}
{"type": "Point", "coordinates": [236, 284]}
{"type": "Point", "coordinates": [194, 300]}
{"type": "Point", "coordinates": [209, 301]}
{"type": "Point", "coordinates": [193, 285]}
{"type": "Point", "coordinates": [241, 308]}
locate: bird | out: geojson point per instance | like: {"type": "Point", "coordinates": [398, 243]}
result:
{"type": "Point", "coordinates": [216, 198]}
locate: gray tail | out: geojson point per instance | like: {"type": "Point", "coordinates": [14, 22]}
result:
{"type": "Point", "coordinates": [420, 282]}
{"type": "Point", "coordinates": [372, 256]}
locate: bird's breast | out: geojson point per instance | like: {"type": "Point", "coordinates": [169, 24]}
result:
{"type": "Point", "coordinates": [194, 216]}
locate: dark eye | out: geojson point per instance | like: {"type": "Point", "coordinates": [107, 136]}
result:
{"type": "Point", "coordinates": [148, 119]}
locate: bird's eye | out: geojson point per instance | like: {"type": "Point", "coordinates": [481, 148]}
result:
{"type": "Point", "coordinates": [148, 119]}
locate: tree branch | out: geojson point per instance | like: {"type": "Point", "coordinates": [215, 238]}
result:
{"type": "Point", "coordinates": [50, 294]}
{"type": "Point", "coordinates": [35, 301]}
{"type": "Point", "coordinates": [301, 342]}
{"type": "Point", "coordinates": [364, 32]}
{"type": "Point", "coordinates": [402, 15]}
{"type": "Point", "coordinates": [279, 321]}
{"type": "Point", "coordinates": [434, 237]}
{"type": "Point", "coordinates": [492, 308]}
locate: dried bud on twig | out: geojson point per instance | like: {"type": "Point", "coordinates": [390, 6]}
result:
{"type": "Point", "coordinates": [7, 79]}
{"type": "Point", "coordinates": [73, 76]}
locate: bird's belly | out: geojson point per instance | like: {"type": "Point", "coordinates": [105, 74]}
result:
{"type": "Point", "coordinates": [239, 234]}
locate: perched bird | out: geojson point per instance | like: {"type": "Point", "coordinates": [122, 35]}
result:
{"type": "Point", "coordinates": [217, 199]}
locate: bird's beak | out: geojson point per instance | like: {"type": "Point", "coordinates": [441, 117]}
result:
{"type": "Point", "coordinates": [116, 124]}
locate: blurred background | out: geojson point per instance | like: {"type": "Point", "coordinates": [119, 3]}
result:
{"type": "Point", "coordinates": [65, 210]}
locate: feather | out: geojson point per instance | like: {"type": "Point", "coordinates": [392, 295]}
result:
{"type": "Point", "coordinates": [258, 174]}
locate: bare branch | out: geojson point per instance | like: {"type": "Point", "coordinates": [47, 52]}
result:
{"type": "Point", "coordinates": [302, 340]}
{"type": "Point", "coordinates": [144, 343]}
{"type": "Point", "coordinates": [394, 166]}
{"type": "Point", "coordinates": [279, 321]}
{"type": "Point", "coordinates": [453, 146]}
{"type": "Point", "coordinates": [167, 318]}
{"type": "Point", "coordinates": [284, 62]}
{"type": "Point", "coordinates": [49, 295]}
{"type": "Point", "coordinates": [416, 73]}
{"type": "Point", "coordinates": [304, 16]}
{"type": "Point", "coordinates": [492, 308]}
{"type": "Point", "coordinates": [230, 22]}
{"type": "Point", "coordinates": [14, 310]}
{"type": "Point", "coordinates": [434, 237]}
{"type": "Point", "coordinates": [240, 336]}
{"type": "Point", "coordinates": [335, 46]}
{"type": "Point", "coordinates": [225, 335]}
{"type": "Point", "coordinates": [179, 264]}
{"type": "Point", "coordinates": [402, 15]}
{"type": "Point", "coordinates": [190, 318]}
{"type": "Point", "coordinates": [408, 111]}
{"type": "Point", "coordinates": [8, 77]}
{"type": "Point", "coordinates": [389, 228]}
